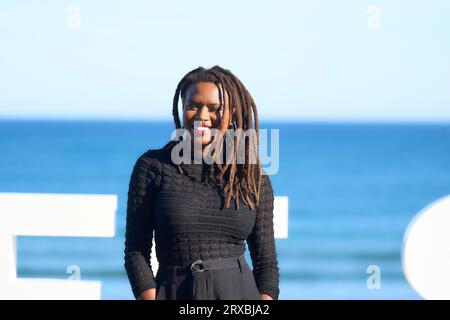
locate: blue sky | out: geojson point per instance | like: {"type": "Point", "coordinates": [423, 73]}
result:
{"type": "Point", "coordinates": [301, 60]}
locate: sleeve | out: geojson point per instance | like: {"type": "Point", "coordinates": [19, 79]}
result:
{"type": "Point", "coordinates": [139, 227]}
{"type": "Point", "coordinates": [261, 243]}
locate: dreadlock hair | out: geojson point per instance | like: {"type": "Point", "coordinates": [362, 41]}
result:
{"type": "Point", "coordinates": [243, 181]}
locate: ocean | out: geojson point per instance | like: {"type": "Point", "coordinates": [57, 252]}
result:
{"type": "Point", "coordinates": [352, 188]}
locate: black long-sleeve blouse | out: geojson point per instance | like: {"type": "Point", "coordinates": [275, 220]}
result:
{"type": "Point", "coordinates": [190, 222]}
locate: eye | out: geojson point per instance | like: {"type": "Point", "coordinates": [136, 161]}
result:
{"type": "Point", "coordinates": [215, 108]}
{"type": "Point", "coordinates": [191, 107]}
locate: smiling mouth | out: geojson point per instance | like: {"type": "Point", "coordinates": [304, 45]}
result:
{"type": "Point", "coordinates": [202, 130]}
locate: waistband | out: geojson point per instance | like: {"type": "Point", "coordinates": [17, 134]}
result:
{"type": "Point", "coordinates": [201, 266]}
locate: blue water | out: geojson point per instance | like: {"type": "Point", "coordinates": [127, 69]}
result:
{"type": "Point", "coordinates": [352, 188]}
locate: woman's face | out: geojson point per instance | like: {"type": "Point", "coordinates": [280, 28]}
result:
{"type": "Point", "coordinates": [202, 106]}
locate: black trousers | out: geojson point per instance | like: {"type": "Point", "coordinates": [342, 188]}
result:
{"type": "Point", "coordinates": [221, 279]}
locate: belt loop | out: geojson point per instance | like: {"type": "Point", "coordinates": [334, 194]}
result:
{"type": "Point", "coordinates": [240, 263]}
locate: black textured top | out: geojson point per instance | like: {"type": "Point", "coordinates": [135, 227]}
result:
{"type": "Point", "coordinates": [190, 222]}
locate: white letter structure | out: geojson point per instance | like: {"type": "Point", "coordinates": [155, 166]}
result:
{"type": "Point", "coordinates": [60, 215]}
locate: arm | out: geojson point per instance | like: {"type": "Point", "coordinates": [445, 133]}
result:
{"type": "Point", "coordinates": [139, 230]}
{"type": "Point", "coordinates": [261, 243]}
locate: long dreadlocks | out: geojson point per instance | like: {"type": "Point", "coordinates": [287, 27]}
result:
{"type": "Point", "coordinates": [242, 180]}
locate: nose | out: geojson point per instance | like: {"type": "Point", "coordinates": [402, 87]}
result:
{"type": "Point", "coordinates": [203, 114]}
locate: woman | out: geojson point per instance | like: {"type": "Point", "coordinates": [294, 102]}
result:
{"type": "Point", "coordinates": [203, 213]}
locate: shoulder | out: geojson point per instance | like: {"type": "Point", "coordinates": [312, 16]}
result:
{"type": "Point", "coordinates": [151, 161]}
